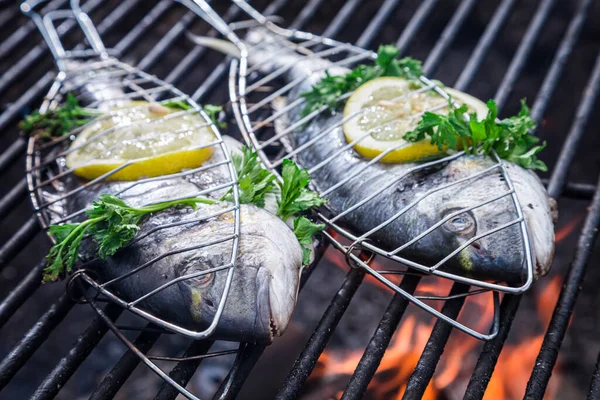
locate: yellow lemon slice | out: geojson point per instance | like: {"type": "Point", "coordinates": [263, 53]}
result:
{"type": "Point", "coordinates": [381, 111]}
{"type": "Point", "coordinates": [144, 140]}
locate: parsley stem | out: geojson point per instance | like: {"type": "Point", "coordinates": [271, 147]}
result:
{"type": "Point", "coordinates": [190, 201]}
{"type": "Point", "coordinates": [80, 230]}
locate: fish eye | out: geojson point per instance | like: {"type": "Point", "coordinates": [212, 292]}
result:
{"type": "Point", "coordinates": [461, 224]}
{"type": "Point", "coordinates": [202, 280]}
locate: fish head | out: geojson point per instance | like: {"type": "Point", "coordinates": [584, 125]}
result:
{"type": "Point", "coordinates": [479, 217]}
{"type": "Point", "coordinates": [247, 298]}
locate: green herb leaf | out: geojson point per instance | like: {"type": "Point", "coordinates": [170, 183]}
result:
{"type": "Point", "coordinates": [58, 122]}
{"type": "Point", "coordinates": [295, 197]}
{"type": "Point", "coordinates": [210, 109]}
{"type": "Point", "coordinates": [213, 113]}
{"type": "Point", "coordinates": [112, 224]}
{"type": "Point", "coordinates": [510, 138]}
{"type": "Point", "coordinates": [254, 181]}
{"type": "Point", "coordinates": [304, 229]}
{"type": "Point", "coordinates": [327, 91]}
{"type": "Point", "coordinates": [178, 104]}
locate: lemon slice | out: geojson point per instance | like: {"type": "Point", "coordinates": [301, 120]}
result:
{"type": "Point", "coordinates": [381, 111]}
{"type": "Point", "coordinates": [144, 140]}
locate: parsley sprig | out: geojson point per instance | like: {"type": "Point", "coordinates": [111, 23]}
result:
{"type": "Point", "coordinates": [293, 200]}
{"type": "Point", "coordinates": [254, 182]}
{"type": "Point", "coordinates": [510, 138]}
{"type": "Point", "coordinates": [305, 230]}
{"type": "Point", "coordinates": [328, 90]}
{"type": "Point", "coordinates": [211, 110]}
{"type": "Point", "coordinates": [295, 196]}
{"type": "Point", "coordinates": [58, 122]}
{"type": "Point", "coordinates": [111, 223]}
{"type": "Point", "coordinates": [296, 199]}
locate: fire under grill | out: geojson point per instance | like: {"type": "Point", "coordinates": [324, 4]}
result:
{"type": "Point", "coordinates": [546, 50]}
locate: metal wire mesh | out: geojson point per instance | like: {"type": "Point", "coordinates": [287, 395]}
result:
{"type": "Point", "coordinates": [31, 91]}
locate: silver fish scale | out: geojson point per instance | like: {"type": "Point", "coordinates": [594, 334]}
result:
{"type": "Point", "coordinates": [252, 95]}
{"type": "Point", "coordinates": [101, 82]}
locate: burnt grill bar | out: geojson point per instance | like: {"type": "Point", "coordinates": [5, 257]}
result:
{"type": "Point", "coordinates": [65, 368]}
{"type": "Point", "coordinates": [422, 375]}
{"type": "Point", "coordinates": [566, 302]}
{"type": "Point", "coordinates": [21, 293]}
{"type": "Point", "coordinates": [183, 372]}
{"type": "Point", "coordinates": [20, 239]}
{"type": "Point", "coordinates": [34, 338]}
{"type": "Point", "coordinates": [372, 355]}
{"type": "Point", "coordinates": [594, 392]}
{"type": "Point", "coordinates": [318, 340]}
{"type": "Point", "coordinates": [117, 376]}
{"type": "Point", "coordinates": [367, 366]}
{"type": "Point", "coordinates": [10, 43]}
{"type": "Point", "coordinates": [375, 350]}
{"type": "Point", "coordinates": [492, 349]}
{"type": "Point", "coordinates": [26, 62]}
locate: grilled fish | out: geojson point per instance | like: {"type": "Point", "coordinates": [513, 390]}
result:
{"type": "Point", "coordinates": [498, 257]}
{"type": "Point", "coordinates": [265, 281]}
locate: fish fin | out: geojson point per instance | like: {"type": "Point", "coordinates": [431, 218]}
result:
{"type": "Point", "coordinates": [219, 45]}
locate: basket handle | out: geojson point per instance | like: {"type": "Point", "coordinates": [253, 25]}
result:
{"type": "Point", "coordinates": [47, 28]}
{"type": "Point", "coordinates": [205, 11]}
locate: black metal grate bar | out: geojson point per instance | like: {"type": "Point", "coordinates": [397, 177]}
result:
{"type": "Point", "coordinates": [19, 294]}
{"type": "Point", "coordinates": [28, 60]}
{"type": "Point", "coordinates": [413, 26]}
{"type": "Point", "coordinates": [487, 39]}
{"type": "Point", "coordinates": [117, 376]}
{"type": "Point", "coordinates": [305, 14]}
{"type": "Point", "coordinates": [448, 35]}
{"type": "Point", "coordinates": [247, 359]}
{"type": "Point", "coordinates": [340, 19]}
{"type": "Point", "coordinates": [566, 302]}
{"type": "Point", "coordinates": [380, 340]}
{"type": "Point", "coordinates": [183, 371]}
{"type": "Point", "coordinates": [11, 42]}
{"type": "Point", "coordinates": [491, 351]}
{"type": "Point", "coordinates": [137, 31]}
{"type": "Point", "coordinates": [18, 241]}
{"type": "Point", "coordinates": [376, 23]}
{"type": "Point", "coordinates": [560, 60]}
{"type": "Point", "coordinates": [520, 58]}
{"type": "Point", "coordinates": [568, 295]}
{"type": "Point", "coordinates": [423, 372]}
{"type": "Point", "coordinates": [198, 51]}
{"type": "Point", "coordinates": [50, 387]}
{"type": "Point", "coordinates": [318, 340]}
{"type": "Point", "coordinates": [33, 339]}
{"type": "Point", "coordinates": [371, 358]}
{"type": "Point", "coordinates": [594, 392]}
{"type": "Point", "coordinates": [15, 195]}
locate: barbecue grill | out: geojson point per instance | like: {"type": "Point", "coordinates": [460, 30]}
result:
{"type": "Point", "coordinates": [149, 35]}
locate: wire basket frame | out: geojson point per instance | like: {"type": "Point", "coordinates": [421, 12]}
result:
{"type": "Point", "coordinates": [253, 92]}
{"type": "Point", "coordinates": [48, 175]}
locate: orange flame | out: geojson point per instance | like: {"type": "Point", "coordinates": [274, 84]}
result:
{"type": "Point", "coordinates": [460, 354]}
{"type": "Point", "coordinates": [566, 230]}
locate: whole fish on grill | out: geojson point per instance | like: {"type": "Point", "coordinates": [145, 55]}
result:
{"type": "Point", "coordinates": [497, 257]}
{"type": "Point", "coordinates": [263, 291]}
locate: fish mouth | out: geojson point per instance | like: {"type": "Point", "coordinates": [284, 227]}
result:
{"type": "Point", "coordinates": [274, 329]}
{"type": "Point", "coordinates": [265, 324]}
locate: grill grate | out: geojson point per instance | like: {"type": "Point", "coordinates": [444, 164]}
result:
{"type": "Point", "coordinates": [23, 82]}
